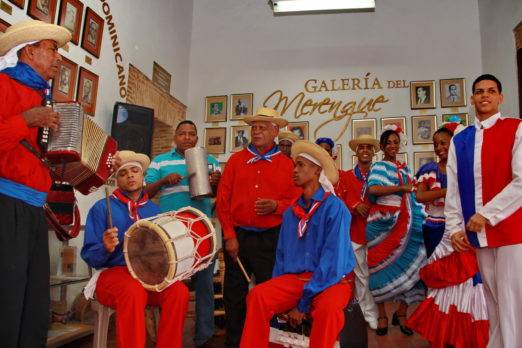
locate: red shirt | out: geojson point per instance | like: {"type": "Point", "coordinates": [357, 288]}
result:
{"type": "Point", "coordinates": [349, 190]}
{"type": "Point", "coordinates": [242, 184]}
{"type": "Point", "coordinates": [16, 162]}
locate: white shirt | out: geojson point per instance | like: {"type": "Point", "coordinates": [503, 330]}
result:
{"type": "Point", "coordinates": [505, 203]}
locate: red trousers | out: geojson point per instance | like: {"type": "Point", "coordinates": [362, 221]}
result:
{"type": "Point", "coordinates": [117, 289]}
{"type": "Point", "coordinates": [282, 294]}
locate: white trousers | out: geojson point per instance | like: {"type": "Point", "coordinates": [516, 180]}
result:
{"type": "Point", "coordinates": [362, 290]}
{"type": "Point", "coordinates": [501, 271]}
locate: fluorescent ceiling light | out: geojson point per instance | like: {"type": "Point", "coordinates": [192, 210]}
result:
{"type": "Point", "coordinates": [280, 6]}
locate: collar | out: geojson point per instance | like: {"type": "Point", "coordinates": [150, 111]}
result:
{"type": "Point", "coordinates": [487, 123]}
{"type": "Point", "coordinates": [317, 196]}
{"type": "Point", "coordinates": [176, 154]}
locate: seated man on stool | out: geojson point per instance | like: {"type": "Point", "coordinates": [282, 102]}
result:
{"type": "Point", "coordinates": [314, 257]}
{"type": "Point", "coordinates": [103, 250]}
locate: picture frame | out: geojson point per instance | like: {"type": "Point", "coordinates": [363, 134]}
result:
{"type": "Point", "coordinates": [338, 156]}
{"type": "Point", "coordinates": [64, 83]}
{"type": "Point", "coordinates": [216, 108]}
{"type": "Point", "coordinates": [18, 3]}
{"type": "Point", "coordinates": [422, 129]}
{"type": "Point", "coordinates": [70, 17]}
{"type": "Point", "coordinates": [92, 32]}
{"type": "Point", "coordinates": [398, 121]}
{"type": "Point", "coordinates": [420, 158]}
{"type": "Point", "coordinates": [216, 140]}
{"type": "Point", "coordinates": [3, 25]}
{"type": "Point", "coordinates": [299, 128]}
{"type": "Point", "coordinates": [452, 92]}
{"type": "Point", "coordinates": [422, 94]}
{"type": "Point", "coordinates": [87, 90]}
{"type": "Point", "coordinates": [402, 157]}
{"type": "Point", "coordinates": [241, 105]}
{"type": "Point", "coordinates": [43, 10]}
{"type": "Point", "coordinates": [239, 137]}
{"type": "Point", "coordinates": [364, 126]}
{"type": "Point", "coordinates": [464, 118]}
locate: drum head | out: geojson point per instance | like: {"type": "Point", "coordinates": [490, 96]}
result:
{"type": "Point", "coordinates": [147, 255]}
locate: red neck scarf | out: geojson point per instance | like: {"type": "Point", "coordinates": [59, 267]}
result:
{"type": "Point", "coordinates": [131, 205]}
{"type": "Point", "coordinates": [303, 216]}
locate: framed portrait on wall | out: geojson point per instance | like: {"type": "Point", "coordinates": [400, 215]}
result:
{"type": "Point", "coordinates": [3, 25]}
{"type": "Point", "coordinates": [338, 156]}
{"type": "Point", "coordinates": [366, 126]}
{"type": "Point", "coordinates": [87, 91]}
{"type": "Point", "coordinates": [462, 117]}
{"type": "Point", "coordinates": [64, 82]}
{"type": "Point", "coordinates": [398, 121]}
{"type": "Point", "coordinates": [299, 128]}
{"type": "Point", "coordinates": [422, 129]}
{"type": "Point", "coordinates": [239, 138]}
{"type": "Point", "coordinates": [216, 140]}
{"type": "Point", "coordinates": [92, 33]}
{"type": "Point", "coordinates": [43, 10]}
{"type": "Point", "coordinates": [19, 3]}
{"type": "Point", "coordinates": [241, 105]}
{"type": "Point", "coordinates": [421, 158]}
{"type": "Point", "coordinates": [216, 108]}
{"type": "Point", "coordinates": [422, 94]}
{"type": "Point", "coordinates": [452, 92]}
{"type": "Point", "coordinates": [70, 17]}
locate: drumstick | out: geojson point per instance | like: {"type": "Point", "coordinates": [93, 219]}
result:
{"type": "Point", "coordinates": [109, 211]}
{"type": "Point", "coordinates": [243, 270]}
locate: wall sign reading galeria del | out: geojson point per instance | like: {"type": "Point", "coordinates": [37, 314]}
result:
{"type": "Point", "coordinates": [304, 104]}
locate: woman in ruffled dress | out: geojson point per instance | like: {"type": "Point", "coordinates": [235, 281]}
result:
{"type": "Point", "coordinates": [454, 312]}
{"type": "Point", "coordinates": [394, 233]}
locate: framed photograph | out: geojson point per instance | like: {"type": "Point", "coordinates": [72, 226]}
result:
{"type": "Point", "coordinates": [338, 156]}
{"type": "Point", "coordinates": [422, 94]}
{"type": "Point", "coordinates": [366, 126]}
{"type": "Point", "coordinates": [423, 128]}
{"type": "Point", "coordinates": [216, 140]}
{"type": "Point", "coordinates": [64, 82]}
{"type": "Point", "coordinates": [398, 121]}
{"type": "Point", "coordinates": [402, 157]}
{"type": "Point", "coordinates": [43, 10]}
{"type": "Point", "coordinates": [452, 92]}
{"type": "Point", "coordinates": [70, 17]}
{"type": "Point", "coordinates": [240, 138]}
{"type": "Point", "coordinates": [241, 105]}
{"type": "Point", "coordinates": [421, 158]}
{"type": "Point", "coordinates": [464, 118]}
{"type": "Point", "coordinates": [87, 90]}
{"type": "Point", "coordinates": [3, 25]}
{"type": "Point", "coordinates": [299, 128]}
{"type": "Point", "coordinates": [19, 3]}
{"type": "Point", "coordinates": [216, 108]}
{"type": "Point", "coordinates": [92, 33]}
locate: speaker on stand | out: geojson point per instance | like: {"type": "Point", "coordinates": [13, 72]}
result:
{"type": "Point", "coordinates": [132, 127]}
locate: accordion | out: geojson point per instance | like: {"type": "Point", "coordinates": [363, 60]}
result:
{"type": "Point", "coordinates": [80, 152]}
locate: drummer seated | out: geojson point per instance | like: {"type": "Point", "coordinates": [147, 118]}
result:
{"type": "Point", "coordinates": [312, 275]}
{"type": "Point", "coordinates": [112, 283]}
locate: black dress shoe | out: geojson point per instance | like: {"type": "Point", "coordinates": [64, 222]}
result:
{"type": "Point", "coordinates": [382, 331]}
{"type": "Point", "coordinates": [396, 322]}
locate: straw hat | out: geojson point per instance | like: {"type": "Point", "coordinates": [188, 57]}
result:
{"type": "Point", "coordinates": [286, 135]}
{"type": "Point", "coordinates": [320, 154]}
{"type": "Point", "coordinates": [267, 115]}
{"type": "Point", "coordinates": [127, 157]}
{"type": "Point", "coordinates": [364, 139]}
{"type": "Point", "coordinates": [32, 30]}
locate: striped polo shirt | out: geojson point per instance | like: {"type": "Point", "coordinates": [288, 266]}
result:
{"type": "Point", "coordinates": [177, 196]}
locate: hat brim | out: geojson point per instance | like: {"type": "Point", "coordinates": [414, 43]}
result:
{"type": "Point", "coordinates": [317, 152]}
{"type": "Point", "coordinates": [356, 142]}
{"type": "Point", "coordinates": [280, 122]}
{"type": "Point", "coordinates": [35, 32]}
{"type": "Point", "coordinates": [131, 156]}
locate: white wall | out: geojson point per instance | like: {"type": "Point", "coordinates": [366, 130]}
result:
{"type": "Point", "coordinates": [242, 47]}
{"type": "Point", "coordinates": [498, 18]}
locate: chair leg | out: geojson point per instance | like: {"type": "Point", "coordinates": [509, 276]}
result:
{"type": "Point", "coordinates": [101, 325]}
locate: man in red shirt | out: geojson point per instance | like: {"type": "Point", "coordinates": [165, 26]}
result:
{"type": "Point", "coordinates": [28, 59]}
{"type": "Point", "coordinates": [254, 191]}
{"type": "Point", "coordinates": [351, 189]}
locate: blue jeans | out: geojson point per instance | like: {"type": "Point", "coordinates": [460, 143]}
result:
{"type": "Point", "coordinates": [204, 289]}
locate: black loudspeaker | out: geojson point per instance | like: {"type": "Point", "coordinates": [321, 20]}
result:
{"type": "Point", "coordinates": [132, 127]}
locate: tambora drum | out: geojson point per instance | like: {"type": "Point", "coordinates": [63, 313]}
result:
{"type": "Point", "coordinates": [169, 247]}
